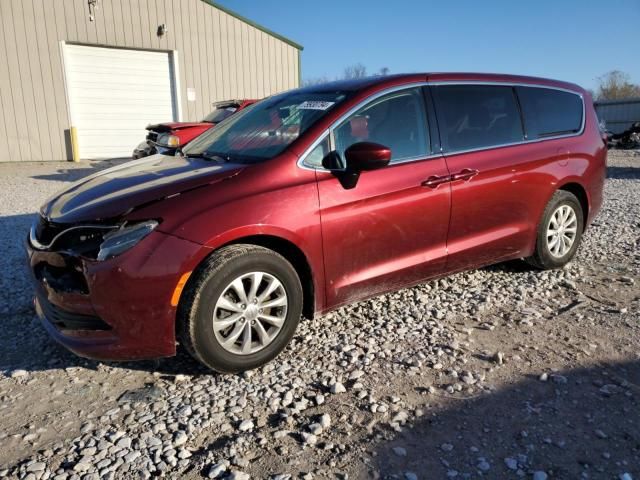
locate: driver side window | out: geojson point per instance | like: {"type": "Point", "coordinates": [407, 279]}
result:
{"type": "Point", "coordinates": [396, 120]}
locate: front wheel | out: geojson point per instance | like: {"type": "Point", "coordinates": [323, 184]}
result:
{"type": "Point", "coordinates": [559, 232]}
{"type": "Point", "coordinates": [241, 309]}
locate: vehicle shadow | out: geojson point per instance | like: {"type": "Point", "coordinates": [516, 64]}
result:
{"type": "Point", "coordinates": [511, 266]}
{"type": "Point", "coordinates": [77, 171]}
{"type": "Point", "coordinates": [582, 423]}
{"type": "Point", "coordinates": [624, 173]}
{"type": "Point", "coordinates": [14, 284]}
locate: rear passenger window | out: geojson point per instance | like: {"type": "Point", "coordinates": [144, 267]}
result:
{"type": "Point", "coordinates": [549, 112]}
{"type": "Point", "coordinates": [477, 116]}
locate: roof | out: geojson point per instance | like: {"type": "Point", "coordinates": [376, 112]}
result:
{"type": "Point", "coordinates": [501, 77]}
{"type": "Point", "coordinates": [358, 83]}
{"type": "Point", "coordinates": [363, 83]}
{"type": "Point", "coordinates": [254, 24]}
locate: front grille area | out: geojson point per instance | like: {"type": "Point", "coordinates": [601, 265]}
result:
{"type": "Point", "coordinates": [67, 279]}
{"type": "Point", "coordinates": [46, 231]}
{"type": "Point", "coordinates": [80, 240]}
{"type": "Point", "coordinates": [153, 136]}
{"type": "Point", "coordinates": [64, 320]}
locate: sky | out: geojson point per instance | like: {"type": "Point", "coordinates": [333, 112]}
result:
{"type": "Point", "coordinates": [575, 41]}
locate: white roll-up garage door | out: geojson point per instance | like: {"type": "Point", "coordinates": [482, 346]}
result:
{"type": "Point", "coordinates": [114, 94]}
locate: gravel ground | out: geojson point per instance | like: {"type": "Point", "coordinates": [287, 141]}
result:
{"type": "Point", "coordinates": [503, 372]}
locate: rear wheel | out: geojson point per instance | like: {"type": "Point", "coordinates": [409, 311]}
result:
{"type": "Point", "coordinates": [241, 309]}
{"type": "Point", "coordinates": [559, 232]}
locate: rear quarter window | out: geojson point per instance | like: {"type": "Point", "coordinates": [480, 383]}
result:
{"type": "Point", "coordinates": [477, 116]}
{"type": "Point", "coordinates": [548, 112]}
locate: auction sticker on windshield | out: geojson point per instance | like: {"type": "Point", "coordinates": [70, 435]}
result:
{"type": "Point", "coordinates": [314, 105]}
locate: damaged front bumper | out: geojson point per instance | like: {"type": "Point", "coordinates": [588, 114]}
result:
{"type": "Point", "coordinates": [117, 309]}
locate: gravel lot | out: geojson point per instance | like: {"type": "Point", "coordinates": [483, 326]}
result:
{"type": "Point", "coordinates": [503, 372]}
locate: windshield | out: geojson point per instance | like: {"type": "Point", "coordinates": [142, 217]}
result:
{"type": "Point", "coordinates": [265, 129]}
{"type": "Point", "coordinates": [220, 114]}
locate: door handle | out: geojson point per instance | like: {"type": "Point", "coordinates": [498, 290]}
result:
{"type": "Point", "coordinates": [464, 174]}
{"type": "Point", "coordinates": [434, 180]}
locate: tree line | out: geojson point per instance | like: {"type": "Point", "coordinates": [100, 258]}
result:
{"type": "Point", "coordinates": [616, 85]}
{"type": "Point", "coordinates": [357, 70]}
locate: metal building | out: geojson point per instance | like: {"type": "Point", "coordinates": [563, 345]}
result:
{"type": "Point", "coordinates": [110, 67]}
{"type": "Point", "coordinates": [618, 115]}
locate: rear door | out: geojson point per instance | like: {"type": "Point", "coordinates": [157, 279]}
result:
{"type": "Point", "coordinates": [481, 128]}
{"type": "Point", "coordinates": [390, 229]}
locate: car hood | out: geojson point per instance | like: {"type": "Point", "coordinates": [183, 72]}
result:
{"type": "Point", "coordinates": [173, 126]}
{"type": "Point", "coordinates": [116, 191]}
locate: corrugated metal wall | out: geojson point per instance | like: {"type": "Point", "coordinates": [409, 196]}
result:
{"type": "Point", "coordinates": [618, 115]}
{"type": "Point", "coordinates": [219, 55]}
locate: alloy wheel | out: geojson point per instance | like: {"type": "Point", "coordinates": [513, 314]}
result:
{"type": "Point", "coordinates": [562, 231]}
{"type": "Point", "coordinates": [250, 313]}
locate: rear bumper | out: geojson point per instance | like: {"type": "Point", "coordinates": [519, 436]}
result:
{"type": "Point", "coordinates": [124, 310]}
{"type": "Point", "coordinates": [596, 188]}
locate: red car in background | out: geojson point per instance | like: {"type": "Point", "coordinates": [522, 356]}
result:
{"type": "Point", "coordinates": [166, 138]}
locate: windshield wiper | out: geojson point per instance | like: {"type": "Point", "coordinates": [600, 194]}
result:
{"type": "Point", "coordinates": [214, 157]}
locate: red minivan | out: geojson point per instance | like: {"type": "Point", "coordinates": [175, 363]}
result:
{"type": "Point", "coordinates": [313, 199]}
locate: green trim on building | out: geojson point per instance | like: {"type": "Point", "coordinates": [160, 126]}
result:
{"type": "Point", "coordinates": [254, 24]}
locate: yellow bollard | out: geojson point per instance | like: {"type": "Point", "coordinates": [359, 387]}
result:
{"type": "Point", "coordinates": [75, 150]}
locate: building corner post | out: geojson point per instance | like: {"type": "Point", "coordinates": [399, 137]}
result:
{"type": "Point", "coordinates": [75, 150]}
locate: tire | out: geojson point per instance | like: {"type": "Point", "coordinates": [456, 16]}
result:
{"type": "Point", "coordinates": [549, 254]}
{"type": "Point", "coordinates": [212, 298]}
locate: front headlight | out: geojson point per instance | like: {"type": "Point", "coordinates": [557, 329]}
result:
{"type": "Point", "coordinates": [167, 140]}
{"type": "Point", "coordinates": [119, 241]}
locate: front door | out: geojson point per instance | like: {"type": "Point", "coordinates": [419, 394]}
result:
{"type": "Point", "coordinates": [390, 229]}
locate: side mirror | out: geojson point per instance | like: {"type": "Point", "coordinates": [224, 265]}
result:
{"type": "Point", "coordinates": [332, 162]}
{"type": "Point", "coordinates": [363, 156]}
